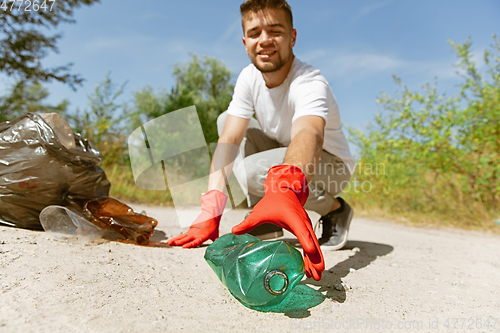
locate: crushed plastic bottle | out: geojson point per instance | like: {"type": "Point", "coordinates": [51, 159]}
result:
{"type": "Point", "coordinates": [258, 273]}
{"type": "Point", "coordinates": [109, 213]}
{"type": "Point", "coordinates": [102, 218]}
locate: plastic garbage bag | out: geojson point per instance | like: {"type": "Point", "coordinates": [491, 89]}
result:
{"type": "Point", "coordinates": [259, 274]}
{"type": "Point", "coordinates": [44, 163]}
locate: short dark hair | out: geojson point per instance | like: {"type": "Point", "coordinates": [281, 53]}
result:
{"type": "Point", "coordinates": [255, 6]}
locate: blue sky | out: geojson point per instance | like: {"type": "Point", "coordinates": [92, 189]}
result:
{"type": "Point", "coordinates": [357, 45]}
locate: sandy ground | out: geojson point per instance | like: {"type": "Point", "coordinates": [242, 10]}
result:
{"type": "Point", "coordinates": [399, 278]}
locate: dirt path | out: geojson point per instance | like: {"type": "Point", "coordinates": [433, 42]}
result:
{"type": "Point", "coordinates": [401, 279]}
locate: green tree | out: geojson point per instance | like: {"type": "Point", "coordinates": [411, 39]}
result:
{"type": "Point", "coordinates": [103, 121]}
{"type": "Point", "coordinates": [481, 137]}
{"type": "Point", "coordinates": [205, 83]}
{"type": "Point", "coordinates": [27, 97]}
{"type": "Point", "coordinates": [442, 153]}
{"type": "Point", "coordinates": [24, 44]}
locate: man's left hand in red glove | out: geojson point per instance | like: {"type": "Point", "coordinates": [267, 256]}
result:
{"type": "Point", "coordinates": [286, 192]}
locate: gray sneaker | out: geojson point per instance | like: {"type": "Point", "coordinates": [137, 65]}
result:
{"type": "Point", "coordinates": [335, 227]}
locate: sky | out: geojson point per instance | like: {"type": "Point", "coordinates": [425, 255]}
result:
{"type": "Point", "coordinates": [357, 45]}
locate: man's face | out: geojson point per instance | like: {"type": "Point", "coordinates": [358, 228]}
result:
{"type": "Point", "coordinates": [268, 39]}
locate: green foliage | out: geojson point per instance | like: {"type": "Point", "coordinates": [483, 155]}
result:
{"type": "Point", "coordinates": [441, 153]}
{"type": "Point", "coordinates": [23, 43]}
{"type": "Point", "coordinates": [123, 187]}
{"type": "Point", "coordinates": [27, 97]}
{"type": "Point", "coordinates": [102, 122]}
{"type": "Point", "coordinates": [204, 83]}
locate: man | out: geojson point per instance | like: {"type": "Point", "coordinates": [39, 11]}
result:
{"type": "Point", "coordinates": [295, 154]}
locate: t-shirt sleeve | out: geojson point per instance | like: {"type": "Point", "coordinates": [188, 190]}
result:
{"type": "Point", "coordinates": [312, 98]}
{"type": "Point", "coordinates": [242, 103]}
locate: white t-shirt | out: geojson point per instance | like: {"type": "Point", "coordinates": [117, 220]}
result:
{"type": "Point", "coordinates": [304, 92]}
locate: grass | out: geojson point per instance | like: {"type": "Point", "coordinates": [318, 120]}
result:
{"type": "Point", "coordinates": [123, 187]}
{"type": "Point", "coordinates": [365, 207]}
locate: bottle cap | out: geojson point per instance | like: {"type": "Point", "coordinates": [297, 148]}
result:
{"type": "Point", "coordinates": [267, 281]}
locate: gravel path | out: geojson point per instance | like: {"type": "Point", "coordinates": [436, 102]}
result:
{"type": "Point", "coordinates": [389, 277]}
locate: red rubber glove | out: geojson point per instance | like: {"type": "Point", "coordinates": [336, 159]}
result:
{"type": "Point", "coordinates": [206, 225]}
{"type": "Point", "coordinates": [286, 192]}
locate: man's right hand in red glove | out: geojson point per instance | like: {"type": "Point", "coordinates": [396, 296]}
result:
{"type": "Point", "coordinates": [206, 225]}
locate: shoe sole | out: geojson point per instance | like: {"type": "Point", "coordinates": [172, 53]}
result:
{"type": "Point", "coordinates": [344, 241]}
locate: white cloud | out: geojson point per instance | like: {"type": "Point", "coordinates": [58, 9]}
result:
{"type": "Point", "coordinates": [232, 32]}
{"type": "Point", "coordinates": [351, 66]}
{"type": "Point", "coordinates": [367, 63]}
{"type": "Point", "coordinates": [312, 55]}
{"type": "Point", "coordinates": [367, 10]}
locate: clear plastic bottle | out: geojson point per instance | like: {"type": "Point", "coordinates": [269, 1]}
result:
{"type": "Point", "coordinates": [258, 273]}
{"type": "Point", "coordinates": [66, 225]}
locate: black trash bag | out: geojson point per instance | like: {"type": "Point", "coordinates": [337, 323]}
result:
{"type": "Point", "coordinates": [43, 165]}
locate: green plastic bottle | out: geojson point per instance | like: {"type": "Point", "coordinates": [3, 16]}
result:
{"type": "Point", "coordinates": [258, 273]}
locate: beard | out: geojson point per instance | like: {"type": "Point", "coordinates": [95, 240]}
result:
{"type": "Point", "coordinates": [269, 67]}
